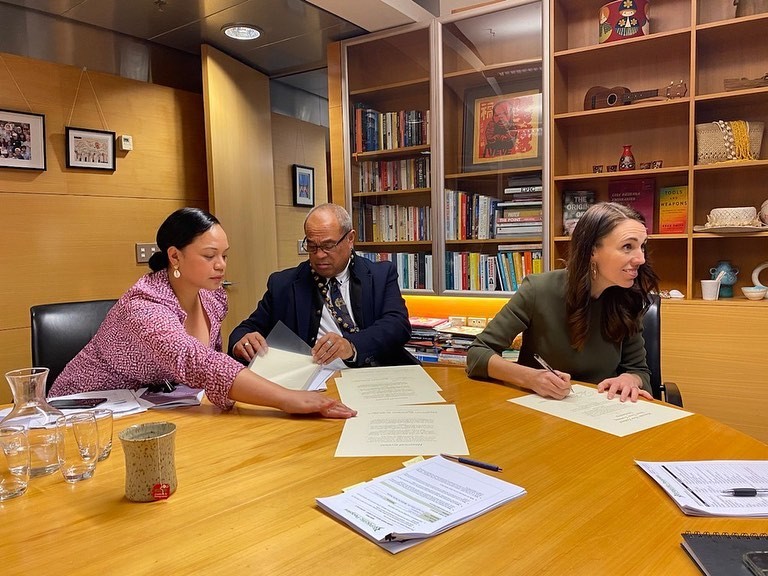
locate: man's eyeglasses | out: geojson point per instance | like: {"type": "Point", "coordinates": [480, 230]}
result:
{"type": "Point", "coordinates": [324, 246]}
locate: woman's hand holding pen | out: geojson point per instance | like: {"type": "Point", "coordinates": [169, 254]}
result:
{"type": "Point", "coordinates": [550, 384]}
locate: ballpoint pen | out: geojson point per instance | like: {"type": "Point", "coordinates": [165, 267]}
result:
{"type": "Point", "coordinates": [746, 492]}
{"type": "Point", "coordinates": [546, 366]}
{"type": "Point", "coordinates": [471, 462]}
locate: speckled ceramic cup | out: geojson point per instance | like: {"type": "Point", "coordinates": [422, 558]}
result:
{"type": "Point", "coordinates": [150, 466]}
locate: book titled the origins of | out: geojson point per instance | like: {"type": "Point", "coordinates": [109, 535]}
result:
{"type": "Point", "coordinates": [673, 210]}
{"type": "Point", "coordinates": [575, 203]}
{"type": "Point", "coordinates": [637, 193]}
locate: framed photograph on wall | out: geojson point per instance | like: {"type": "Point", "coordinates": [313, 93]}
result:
{"type": "Point", "coordinates": [92, 149]}
{"type": "Point", "coordinates": [501, 130]}
{"type": "Point", "coordinates": [22, 140]}
{"type": "Point", "coordinates": [303, 185]}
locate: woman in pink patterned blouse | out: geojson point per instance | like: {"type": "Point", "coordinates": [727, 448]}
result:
{"type": "Point", "coordinates": [167, 326]}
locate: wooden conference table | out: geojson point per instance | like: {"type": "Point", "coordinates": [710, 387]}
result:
{"type": "Point", "coordinates": [248, 479]}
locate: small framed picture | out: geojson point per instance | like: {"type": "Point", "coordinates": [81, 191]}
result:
{"type": "Point", "coordinates": [22, 140]}
{"type": "Point", "coordinates": [645, 166]}
{"type": "Point", "coordinates": [613, 167]}
{"type": "Point", "coordinates": [92, 149]}
{"type": "Point", "coordinates": [657, 163]}
{"type": "Point", "coordinates": [303, 185]}
{"type": "Point", "coordinates": [597, 169]}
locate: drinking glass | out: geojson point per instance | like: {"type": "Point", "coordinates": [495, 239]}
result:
{"type": "Point", "coordinates": [104, 424]}
{"type": "Point", "coordinates": [14, 461]}
{"type": "Point", "coordinates": [78, 445]}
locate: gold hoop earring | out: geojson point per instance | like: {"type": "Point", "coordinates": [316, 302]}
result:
{"type": "Point", "coordinates": [176, 273]}
{"type": "Point", "coordinates": [593, 270]}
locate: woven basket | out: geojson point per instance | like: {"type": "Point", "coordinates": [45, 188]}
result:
{"type": "Point", "coordinates": [710, 145]}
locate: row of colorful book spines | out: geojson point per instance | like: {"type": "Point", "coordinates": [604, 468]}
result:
{"type": "Point", "coordinates": [394, 223]}
{"type": "Point", "coordinates": [488, 272]}
{"type": "Point", "coordinates": [474, 216]}
{"type": "Point", "coordinates": [469, 216]}
{"type": "Point", "coordinates": [414, 270]}
{"type": "Point", "coordinates": [375, 130]}
{"type": "Point", "coordinates": [404, 174]}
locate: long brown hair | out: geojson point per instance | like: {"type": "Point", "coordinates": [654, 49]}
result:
{"type": "Point", "coordinates": [622, 307]}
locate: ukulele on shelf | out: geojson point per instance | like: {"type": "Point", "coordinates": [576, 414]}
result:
{"type": "Point", "coordinates": [602, 97]}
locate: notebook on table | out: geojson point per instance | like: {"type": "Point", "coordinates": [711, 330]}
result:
{"type": "Point", "coordinates": [720, 554]}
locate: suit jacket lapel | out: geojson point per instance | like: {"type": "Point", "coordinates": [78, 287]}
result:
{"type": "Point", "coordinates": [360, 284]}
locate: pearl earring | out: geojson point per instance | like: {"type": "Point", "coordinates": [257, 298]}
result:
{"type": "Point", "coordinates": [176, 273]}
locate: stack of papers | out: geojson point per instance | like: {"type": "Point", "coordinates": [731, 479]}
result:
{"type": "Point", "coordinates": [701, 488]}
{"type": "Point", "coordinates": [403, 508]}
{"type": "Point", "coordinates": [182, 395]}
{"type": "Point", "coordinates": [399, 413]}
{"type": "Point", "coordinates": [122, 402]}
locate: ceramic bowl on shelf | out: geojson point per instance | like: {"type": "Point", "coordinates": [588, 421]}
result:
{"type": "Point", "coordinates": [754, 292]}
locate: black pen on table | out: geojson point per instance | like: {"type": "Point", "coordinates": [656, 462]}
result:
{"type": "Point", "coordinates": [469, 461]}
{"type": "Point", "coordinates": [741, 492]}
{"type": "Point", "coordinates": [546, 366]}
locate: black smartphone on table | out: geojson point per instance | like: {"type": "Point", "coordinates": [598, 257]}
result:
{"type": "Point", "coordinates": [76, 403]}
{"type": "Point", "coordinates": [757, 562]}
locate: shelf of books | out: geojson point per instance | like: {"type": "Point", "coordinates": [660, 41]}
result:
{"type": "Point", "coordinates": [441, 340]}
{"type": "Point", "coordinates": [613, 93]}
{"type": "Point", "coordinates": [389, 98]}
{"type": "Point", "coordinates": [493, 193]}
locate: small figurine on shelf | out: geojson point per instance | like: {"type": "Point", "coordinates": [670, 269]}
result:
{"type": "Point", "coordinates": [627, 160]}
{"type": "Point", "coordinates": [728, 279]}
{"type": "Point", "coordinates": [623, 19]}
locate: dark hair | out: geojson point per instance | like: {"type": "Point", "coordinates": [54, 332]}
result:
{"type": "Point", "coordinates": [180, 229]}
{"type": "Point", "coordinates": [622, 308]}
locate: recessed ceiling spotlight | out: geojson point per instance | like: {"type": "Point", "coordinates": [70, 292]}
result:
{"type": "Point", "coordinates": [241, 31]}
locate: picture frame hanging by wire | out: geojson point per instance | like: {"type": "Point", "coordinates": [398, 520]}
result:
{"type": "Point", "coordinates": [303, 185]}
{"type": "Point", "coordinates": [90, 149]}
{"type": "Point", "coordinates": [22, 140]}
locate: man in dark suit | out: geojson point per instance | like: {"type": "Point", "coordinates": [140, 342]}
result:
{"type": "Point", "coordinates": [344, 306]}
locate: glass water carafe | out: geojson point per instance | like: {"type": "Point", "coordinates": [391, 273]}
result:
{"type": "Point", "coordinates": [31, 410]}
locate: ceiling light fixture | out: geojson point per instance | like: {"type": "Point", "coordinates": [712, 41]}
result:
{"type": "Point", "coordinates": [241, 31]}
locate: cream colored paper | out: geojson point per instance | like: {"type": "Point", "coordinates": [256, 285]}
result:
{"type": "Point", "coordinates": [403, 431]}
{"type": "Point", "coordinates": [587, 406]}
{"type": "Point", "coordinates": [392, 386]}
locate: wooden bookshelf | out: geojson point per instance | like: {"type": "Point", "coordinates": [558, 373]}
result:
{"type": "Point", "coordinates": [697, 43]}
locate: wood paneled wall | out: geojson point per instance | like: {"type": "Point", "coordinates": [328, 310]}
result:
{"type": "Point", "coordinates": [72, 232]}
{"type": "Point", "coordinates": [295, 142]}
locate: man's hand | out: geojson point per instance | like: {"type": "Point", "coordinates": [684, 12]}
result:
{"type": "Point", "coordinates": [330, 347]}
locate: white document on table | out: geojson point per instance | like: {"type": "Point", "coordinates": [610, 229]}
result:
{"type": "Point", "coordinates": [390, 386]}
{"type": "Point", "coordinates": [412, 374]}
{"type": "Point", "coordinates": [403, 508]}
{"type": "Point", "coordinates": [403, 431]}
{"type": "Point", "coordinates": [122, 402]}
{"type": "Point", "coordinates": [698, 486]}
{"type": "Point", "coordinates": [591, 408]}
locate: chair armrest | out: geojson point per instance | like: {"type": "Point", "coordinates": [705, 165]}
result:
{"type": "Point", "coordinates": [670, 393]}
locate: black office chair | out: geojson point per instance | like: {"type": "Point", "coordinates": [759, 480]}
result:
{"type": "Point", "coordinates": [667, 391]}
{"type": "Point", "coordinates": [60, 331]}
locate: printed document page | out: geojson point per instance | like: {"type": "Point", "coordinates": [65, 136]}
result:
{"type": "Point", "coordinates": [413, 374]}
{"type": "Point", "coordinates": [699, 487]}
{"type": "Point", "coordinates": [389, 386]}
{"type": "Point", "coordinates": [402, 508]}
{"type": "Point", "coordinates": [403, 431]}
{"type": "Point", "coordinates": [585, 405]}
